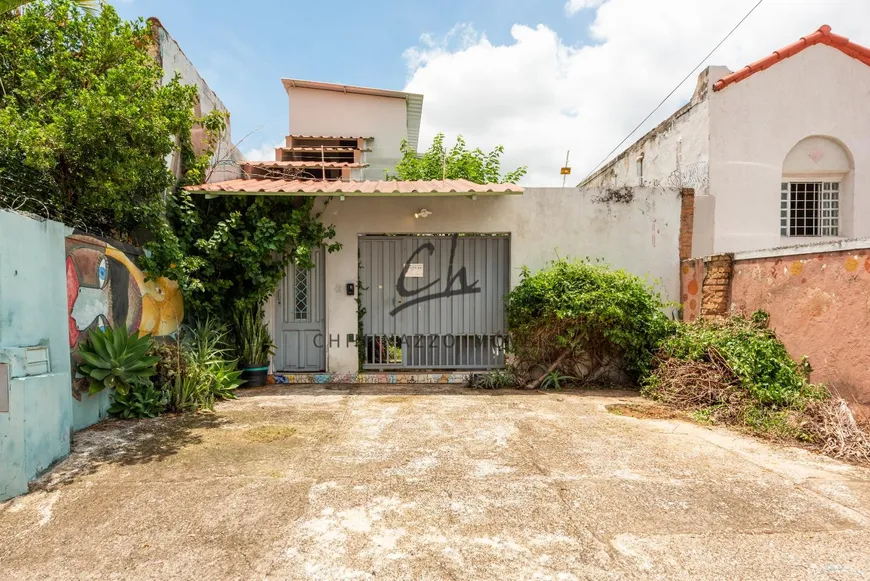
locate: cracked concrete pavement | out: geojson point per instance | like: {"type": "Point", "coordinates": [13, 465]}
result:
{"type": "Point", "coordinates": [434, 482]}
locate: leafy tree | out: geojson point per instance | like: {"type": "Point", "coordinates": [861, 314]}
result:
{"type": "Point", "coordinates": [230, 252]}
{"type": "Point", "coordinates": [9, 5]}
{"type": "Point", "coordinates": [457, 163]}
{"type": "Point", "coordinates": [85, 123]}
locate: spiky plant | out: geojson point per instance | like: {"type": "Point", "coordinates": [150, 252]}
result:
{"type": "Point", "coordinates": [253, 342]}
{"type": "Point", "coordinates": [116, 359]}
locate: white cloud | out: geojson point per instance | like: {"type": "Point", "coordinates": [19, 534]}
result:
{"type": "Point", "coordinates": [575, 6]}
{"type": "Point", "coordinates": [265, 152]}
{"type": "Point", "coordinates": [539, 97]}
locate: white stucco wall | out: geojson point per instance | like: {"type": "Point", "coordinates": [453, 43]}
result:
{"type": "Point", "coordinates": [755, 123]}
{"type": "Point", "coordinates": [640, 236]}
{"type": "Point", "coordinates": [331, 113]}
{"type": "Point", "coordinates": [174, 61]}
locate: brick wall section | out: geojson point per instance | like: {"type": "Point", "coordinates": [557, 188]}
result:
{"type": "Point", "coordinates": [687, 222]}
{"type": "Point", "coordinates": [716, 300]}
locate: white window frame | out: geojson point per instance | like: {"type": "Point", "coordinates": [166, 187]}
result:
{"type": "Point", "coordinates": [826, 216]}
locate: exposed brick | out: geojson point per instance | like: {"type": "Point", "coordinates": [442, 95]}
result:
{"type": "Point", "coordinates": [687, 222]}
{"type": "Point", "coordinates": [716, 294]}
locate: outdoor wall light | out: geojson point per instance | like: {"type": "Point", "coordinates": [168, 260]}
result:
{"type": "Point", "coordinates": [424, 213]}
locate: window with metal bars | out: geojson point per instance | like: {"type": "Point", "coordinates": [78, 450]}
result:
{"type": "Point", "coordinates": [809, 209]}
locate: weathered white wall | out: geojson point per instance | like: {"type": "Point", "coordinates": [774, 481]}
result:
{"type": "Point", "coordinates": [683, 138]}
{"type": "Point", "coordinates": [755, 123]}
{"type": "Point", "coordinates": [174, 61]}
{"type": "Point", "coordinates": [331, 113]}
{"type": "Point", "coordinates": [675, 153]}
{"type": "Point", "coordinates": [640, 236]}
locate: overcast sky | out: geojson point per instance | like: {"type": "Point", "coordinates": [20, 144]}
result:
{"type": "Point", "coordinates": [537, 76]}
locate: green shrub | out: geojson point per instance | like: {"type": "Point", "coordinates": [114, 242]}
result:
{"type": "Point", "coordinates": [170, 363]}
{"type": "Point", "coordinates": [752, 352]}
{"type": "Point", "coordinates": [737, 373]}
{"type": "Point", "coordinates": [116, 359]}
{"type": "Point", "coordinates": [209, 355]}
{"type": "Point", "coordinates": [208, 371]}
{"type": "Point", "coordinates": [593, 317]}
{"type": "Point", "coordinates": [143, 400]}
{"type": "Point", "coordinates": [190, 393]}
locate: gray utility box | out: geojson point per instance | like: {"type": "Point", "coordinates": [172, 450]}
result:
{"type": "Point", "coordinates": [4, 388]}
{"type": "Point", "coordinates": [26, 361]}
{"type": "Point", "coordinates": [20, 362]}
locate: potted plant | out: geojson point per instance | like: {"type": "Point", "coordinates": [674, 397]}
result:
{"type": "Point", "coordinates": [254, 346]}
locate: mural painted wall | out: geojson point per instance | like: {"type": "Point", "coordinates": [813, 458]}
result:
{"type": "Point", "coordinates": [105, 287]}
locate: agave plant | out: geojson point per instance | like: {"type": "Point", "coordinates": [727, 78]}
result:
{"type": "Point", "coordinates": [116, 359]}
{"type": "Point", "coordinates": [142, 401]}
{"type": "Point", "coordinates": [555, 380]}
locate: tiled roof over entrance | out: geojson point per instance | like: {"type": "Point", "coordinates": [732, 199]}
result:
{"type": "Point", "coordinates": [373, 188]}
{"type": "Point", "coordinates": [249, 165]}
{"type": "Point", "coordinates": [822, 36]}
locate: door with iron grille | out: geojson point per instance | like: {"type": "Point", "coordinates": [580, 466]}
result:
{"type": "Point", "coordinates": [434, 302]}
{"type": "Point", "coordinates": [300, 329]}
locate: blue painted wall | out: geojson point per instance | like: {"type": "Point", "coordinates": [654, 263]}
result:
{"type": "Point", "coordinates": [90, 410]}
{"type": "Point", "coordinates": [36, 431]}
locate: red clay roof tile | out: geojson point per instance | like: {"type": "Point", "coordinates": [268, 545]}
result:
{"type": "Point", "coordinates": [303, 187]}
{"type": "Point", "coordinates": [822, 36]}
{"type": "Point", "coordinates": [303, 164]}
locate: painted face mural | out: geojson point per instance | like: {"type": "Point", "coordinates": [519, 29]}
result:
{"type": "Point", "coordinates": [104, 287]}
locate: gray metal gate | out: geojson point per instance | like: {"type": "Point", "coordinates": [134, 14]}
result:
{"type": "Point", "coordinates": [434, 302]}
{"type": "Point", "coordinates": [300, 318]}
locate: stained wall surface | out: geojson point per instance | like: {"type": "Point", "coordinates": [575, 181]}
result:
{"type": "Point", "coordinates": [638, 232]}
{"type": "Point", "coordinates": [35, 432]}
{"type": "Point", "coordinates": [819, 306]}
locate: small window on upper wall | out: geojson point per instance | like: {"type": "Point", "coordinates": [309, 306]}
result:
{"type": "Point", "coordinates": [809, 209]}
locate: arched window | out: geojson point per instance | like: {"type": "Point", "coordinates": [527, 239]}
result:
{"type": "Point", "coordinates": [814, 184]}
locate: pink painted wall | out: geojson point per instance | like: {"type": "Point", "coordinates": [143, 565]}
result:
{"type": "Point", "coordinates": [819, 306]}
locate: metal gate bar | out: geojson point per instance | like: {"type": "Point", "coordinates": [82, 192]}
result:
{"type": "Point", "coordinates": [446, 314]}
{"type": "Point", "coordinates": [435, 352]}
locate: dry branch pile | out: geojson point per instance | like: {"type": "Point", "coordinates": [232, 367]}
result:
{"type": "Point", "coordinates": [708, 383]}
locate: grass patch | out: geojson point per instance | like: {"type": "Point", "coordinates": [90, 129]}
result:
{"type": "Point", "coordinates": [267, 434]}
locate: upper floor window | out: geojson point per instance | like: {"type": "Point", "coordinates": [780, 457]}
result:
{"type": "Point", "coordinates": [816, 189]}
{"type": "Point", "coordinates": [809, 209]}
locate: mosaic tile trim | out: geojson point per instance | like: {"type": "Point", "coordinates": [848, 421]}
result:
{"type": "Point", "coordinates": [367, 378]}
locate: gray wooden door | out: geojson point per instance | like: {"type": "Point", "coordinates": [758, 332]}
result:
{"type": "Point", "coordinates": [300, 320]}
{"type": "Point", "coordinates": [434, 302]}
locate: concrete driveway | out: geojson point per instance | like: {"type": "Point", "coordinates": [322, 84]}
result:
{"type": "Point", "coordinates": [434, 482]}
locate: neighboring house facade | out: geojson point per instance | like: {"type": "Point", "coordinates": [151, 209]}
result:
{"type": "Point", "coordinates": [168, 54]}
{"type": "Point", "coordinates": [342, 132]}
{"type": "Point", "coordinates": [778, 152]}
